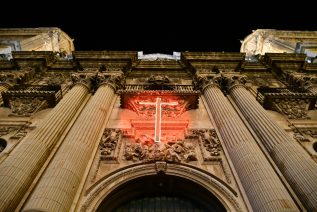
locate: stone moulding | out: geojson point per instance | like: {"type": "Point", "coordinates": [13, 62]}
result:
{"type": "Point", "coordinates": [103, 187]}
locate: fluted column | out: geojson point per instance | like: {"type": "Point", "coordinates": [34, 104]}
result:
{"type": "Point", "coordinates": [263, 187]}
{"type": "Point", "coordinates": [295, 164]}
{"type": "Point", "coordinates": [20, 168]}
{"type": "Point", "coordinates": [59, 184]}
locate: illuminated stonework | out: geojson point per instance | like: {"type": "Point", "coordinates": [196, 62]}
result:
{"type": "Point", "coordinates": [101, 129]}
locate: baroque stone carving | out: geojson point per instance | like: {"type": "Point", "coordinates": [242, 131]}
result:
{"type": "Point", "coordinates": [209, 143]}
{"type": "Point", "coordinates": [301, 82]}
{"type": "Point", "coordinates": [20, 130]}
{"type": "Point", "coordinates": [4, 130]}
{"type": "Point", "coordinates": [114, 80]}
{"type": "Point", "coordinates": [234, 80]}
{"type": "Point", "coordinates": [81, 78]}
{"type": "Point", "coordinates": [27, 106]}
{"type": "Point", "coordinates": [108, 144]}
{"type": "Point", "coordinates": [55, 78]}
{"type": "Point", "coordinates": [180, 151]}
{"type": "Point", "coordinates": [299, 137]}
{"type": "Point", "coordinates": [292, 108]}
{"type": "Point", "coordinates": [160, 167]}
{"type": "Point", "coordinates": [158, 79]}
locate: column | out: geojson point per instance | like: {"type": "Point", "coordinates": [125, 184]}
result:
{"type": "Point", "coordinates": [292, 160]}
{"type": "Point", "coordinates": [19, 169]}
{"type": "Point", "coordinates": [263, 187]}
{"type": "Point", "coordinates": [59, 184]}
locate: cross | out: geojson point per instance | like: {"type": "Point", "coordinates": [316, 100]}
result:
{"type": "Point", "coordinates": [158, 115]}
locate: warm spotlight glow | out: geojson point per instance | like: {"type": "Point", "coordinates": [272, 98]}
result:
{"type": "Point", "coordinates": [158, 116]}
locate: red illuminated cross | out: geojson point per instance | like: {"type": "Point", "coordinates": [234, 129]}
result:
{"type": "Point", "coordinates": [158, 115]}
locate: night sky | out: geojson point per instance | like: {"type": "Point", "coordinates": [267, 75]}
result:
{"type": "Point", "coordinates": [160, 26]}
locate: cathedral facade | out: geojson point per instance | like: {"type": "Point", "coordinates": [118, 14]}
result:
{"type": "Point", "coordinates": [127, 131]}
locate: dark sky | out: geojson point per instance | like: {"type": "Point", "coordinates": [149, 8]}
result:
{"type": "Point", "coordinates": [161, 26]}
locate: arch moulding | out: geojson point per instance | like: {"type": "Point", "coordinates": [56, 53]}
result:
{"type": "Point", "coordinates": [103, 187]}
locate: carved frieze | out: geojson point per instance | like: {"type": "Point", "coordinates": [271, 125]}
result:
{"type": "Point", "coordinates": [27, 106]}
{"type": "Point", "coordinates": [53, 78]}
{"type": "Point", "coordinates": [292, 108]}
{"type": "Point", "coordinates": [180, 151]}
{"type": "Point", "coordinates": [109, 143]}
{"type": "Point", "coordinates": [292, 105]}
{"type": "Point", "coordinates": [25, 100]}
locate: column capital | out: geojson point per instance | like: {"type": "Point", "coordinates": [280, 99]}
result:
{"type": "Point", "coordinates": [224, 81]}
{"type": "Point", "coordinates": [202, 82]}
{"type": "Point", "coordinates": [83, 79]}
{"type": "Point", "coordinates": [113, 80]}
{"type": "Point", "coordinates": [233, 80]}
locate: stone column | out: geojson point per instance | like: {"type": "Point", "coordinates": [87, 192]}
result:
{"type": "Point", "coordinates": [19, 169]}
{"type": "Point", "coordinates": [59, 184]}
{"type": "Point", "coordinates": [263, 187]}
{"type": "Point", "coordinates": [296, 165]}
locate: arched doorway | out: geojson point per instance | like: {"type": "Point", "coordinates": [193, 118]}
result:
{"type": "Point", "coordinates": [141, 182]}
{"type": "Point", "coordinates": [160, 193]}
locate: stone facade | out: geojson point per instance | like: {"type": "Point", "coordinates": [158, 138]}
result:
{"type": "Point", "coordinates": [110, 130]}
{"type": "Point", "coordinates": [35, 39]}
{"type": "Point", "coordinates": [263, 41]}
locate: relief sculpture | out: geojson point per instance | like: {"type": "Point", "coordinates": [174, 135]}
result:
{"type": "Point", "coordinates": [109, 142]}
{"type": "Point", "coordinates": [180, 151]}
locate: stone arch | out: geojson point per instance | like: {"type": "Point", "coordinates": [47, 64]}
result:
{"type": "Point", "coordinates": [103, 187]}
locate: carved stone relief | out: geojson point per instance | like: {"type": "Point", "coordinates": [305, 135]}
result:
{"type": "Point", "coordinates": [180, 151]}
{"type": "Point", "coordinates": [292, 108]}
{"type": "Point", "coordinates": [55, 79]}
{"type": "Point", "coordinates": [17, 131]}
{"type": "Point", "coordinates": [109, 144]}
{"type": "Point", "coordinates": [210, 144]}
{"type": "Point", "coordinates": [158, 79]}
{"type": "Point", "coordinates": [27, 106]}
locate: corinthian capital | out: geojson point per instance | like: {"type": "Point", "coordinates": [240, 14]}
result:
{"type": "Point", "coordinates": [202, 82]}
{"type": "Point", "coordinates": [234, 80]}
{"type": "Point", "coordinates": [113, 80]}
{"type": "Point", "coordinates": [83, 79]}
